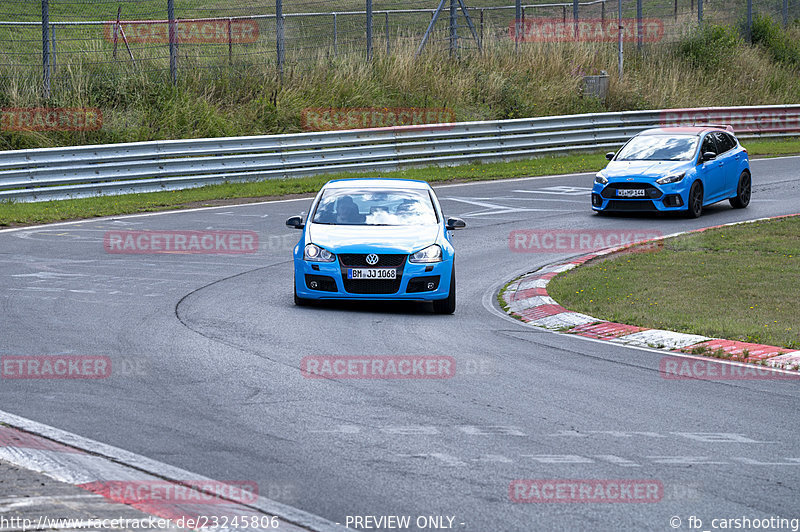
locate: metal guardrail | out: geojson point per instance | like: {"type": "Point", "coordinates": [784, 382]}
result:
{"type": "Point", "coordinates": [74, 172]}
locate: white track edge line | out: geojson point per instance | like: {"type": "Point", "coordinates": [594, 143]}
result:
{"type": "Point", "coordinates": [160, 469]}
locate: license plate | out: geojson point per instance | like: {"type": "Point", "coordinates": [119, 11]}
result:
{"type": "Point", "coordinates": [630, 193]}
{"type": "Point", "coordinates": [371, 273]}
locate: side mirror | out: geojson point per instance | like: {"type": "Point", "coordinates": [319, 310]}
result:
{"type": "Point", "coordinates": [708, 156]}
{"type": "Point", "coordinates": [610, 155]}
{"type": "Point", "coordinates": [295, 222]}
{"type": "Point", "coordinates": [455, 223]}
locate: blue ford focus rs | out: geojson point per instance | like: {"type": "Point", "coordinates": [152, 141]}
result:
{"type": "Point", "coordinates": [374, 239]}
{"type": "Point", "coordinates": [675, 169]}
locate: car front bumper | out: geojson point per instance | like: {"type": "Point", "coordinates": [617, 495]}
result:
{"type": "Point", "coordinates": [413, 276]}
{"type": "Point", "coordinates": [661, 198]}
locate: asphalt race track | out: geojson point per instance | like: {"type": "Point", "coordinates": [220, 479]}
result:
{"type": "Point", "coordinates": [208, 351]}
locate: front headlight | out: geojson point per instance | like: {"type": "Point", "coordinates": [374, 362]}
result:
{"type": "Point", "coordinates": [315, 253]}
{"type": "Point", "coordinates": [429, 254]}
{"type": "Point", "coordinates": [670, 179]}
{"type": "Point", "coordinates": [600, 178]}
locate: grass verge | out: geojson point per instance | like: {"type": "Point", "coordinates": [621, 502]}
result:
{"type": "Point", "coordinates": [734, 282]}
{"type": "Point", "coordinates": [13, 214]}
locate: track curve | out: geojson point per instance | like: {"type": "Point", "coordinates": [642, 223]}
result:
{"type": "Point", "coordinates": [218, 388]}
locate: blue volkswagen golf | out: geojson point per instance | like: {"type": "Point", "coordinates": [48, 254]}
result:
{"type": "Point", "coordinates": [376, 239]}
{"type": "Point", "coordinates": [675, 169]}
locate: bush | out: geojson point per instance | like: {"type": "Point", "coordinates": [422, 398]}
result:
{"type": "Point", "coordinates": [709, 46]}
{"type": "Point", "coordinates": [781, 46]}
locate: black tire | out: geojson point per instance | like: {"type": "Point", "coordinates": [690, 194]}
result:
{"type": "Point", "coordinates": [695, 203]}
{"type": "Point", "coordinates": [447, 306]}
{"type": "Point", "coordinates": [300, 301]}
{"type": "Point", "coordinates": [743, 192]}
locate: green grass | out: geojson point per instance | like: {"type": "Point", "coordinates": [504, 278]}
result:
{"type": "Point", "coordinates": [738, 283]}
{"type": "Point", "coordinates": [246, 98]}
{"type": "Point", "coordinates": [12, 214]}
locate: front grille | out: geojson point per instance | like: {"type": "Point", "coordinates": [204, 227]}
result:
{"type": "Point", "coordinates": [372, 286]}
{"type": "Point", "coordinates": [651, 192]}
{"type": "Point", "coordinates": [630, 205]}
{"type": "Point", "coordinates": [359, 260]}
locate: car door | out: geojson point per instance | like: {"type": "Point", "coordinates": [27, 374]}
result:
{"type": "Point", "coordinates": [711, 172]}
{"type": "Point", "coordinates": [727, 159]}
{"type": "Point", "coordinates": [733, 171]}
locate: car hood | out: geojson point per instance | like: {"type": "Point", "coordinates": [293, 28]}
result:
{"type": "Point", "coordinates": [373, 239]}
{"type": "Point", "coordinates": [654, 169]}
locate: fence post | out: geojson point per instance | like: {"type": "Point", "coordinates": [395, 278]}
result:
{"type": "Point", "coordinates": [699, 11]}
{"type": "Point", "coordinates": [639, 24]}
{"type": "Point", "coordinates": [575, 17]}
{"type": "Point", "coordinates": [230, 42]}
{"type": "Point", "coordinates": [53, 46]}
{"type": "Point", "coordinates": [369, 30]}
{"type": "Point", "coordinates": [603, 11]}
{"type": "Point", "coordinates": [388, 49]}
{"type": "Point", "coordinates": [482, 25]}
{"type": "Point", "coordinates": [46, 48]}
{"type": "Point", "coordinates": [621, 28]}
{"type": "Point", "coordinates": [279, 36]}
{"type": "Point", "coordinates": [785, 13]}
{"type": "Point", "coordinates": [335, 36]}
{"type": "Point", "coordinates": [173, 44]}
{"type": "Point", "coordinates": [453, 27]}
{"type": "Point", "coordinates": [517, 23]}
{"type": "Point", "coordinates": [675, 11]}
{"type": "Point", "coordinates": [750, 20]}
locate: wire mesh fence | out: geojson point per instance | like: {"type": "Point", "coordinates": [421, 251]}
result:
{"type": "Point", "coordinates": [50, 42]}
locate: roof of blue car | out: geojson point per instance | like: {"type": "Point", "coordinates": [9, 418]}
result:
{"type": "Point", "coordinates": [374, 182]}
{"type": "Point", "coordinates": [684, 130]}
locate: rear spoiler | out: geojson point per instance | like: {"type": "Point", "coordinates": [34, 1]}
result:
{"type": "Point", "coordinates": [727, 128]}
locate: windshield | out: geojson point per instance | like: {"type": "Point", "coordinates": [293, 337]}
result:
{"type": "Point", "coordinates": [659, 148]}
{"type": "Point", "coordinates": [375, 207]}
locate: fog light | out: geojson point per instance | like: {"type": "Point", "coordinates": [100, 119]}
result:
{"type": "Point", "coordinates": [597, 200]}
{"type": "Point", "coordinates": [313, 285]}
{"type": "Point", "coordinates": [431, 286]}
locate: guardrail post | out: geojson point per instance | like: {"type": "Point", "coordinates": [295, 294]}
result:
{"type": "Point", "coordinates": [369, 30]}
{"type": "Point", "coordinates": [279, 36]}
{"type": "Point", "coordinates": [46, 48]}
{"type": "Point", "coordinates": [173, 42]}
